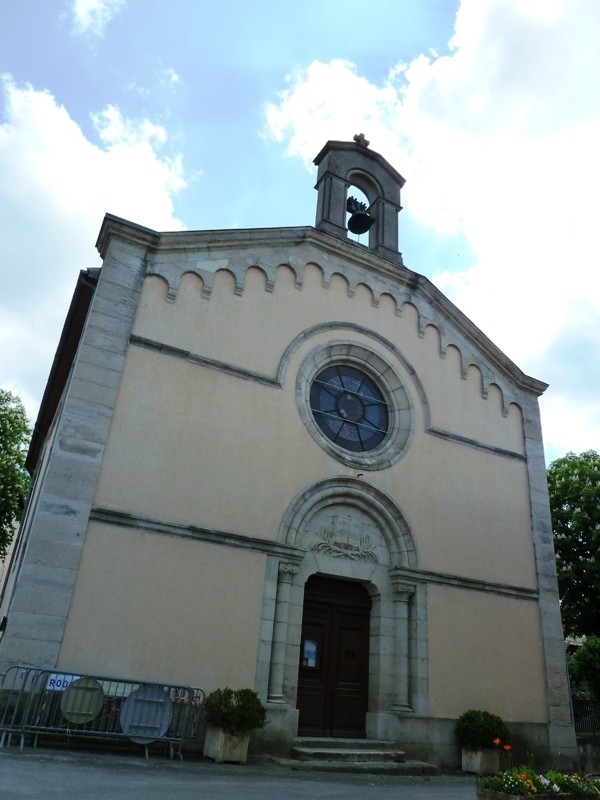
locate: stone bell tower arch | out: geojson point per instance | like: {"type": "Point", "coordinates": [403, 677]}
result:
{"type": "Point", "coordinates": [345, 164]}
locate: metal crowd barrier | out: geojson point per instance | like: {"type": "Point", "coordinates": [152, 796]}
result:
{"type": "Point", "coordinates": [37, 701]}
{"type": "Point", "coordinates": [587, 716]}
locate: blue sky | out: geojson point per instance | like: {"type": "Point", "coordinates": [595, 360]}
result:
{"type": "Point", "coordinates": [202, 115]}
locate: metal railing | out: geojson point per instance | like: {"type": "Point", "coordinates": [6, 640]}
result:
{"type": "Point", "coordinates": [587, 716]}
{"type": "Point", "coordinates": [37, 701]}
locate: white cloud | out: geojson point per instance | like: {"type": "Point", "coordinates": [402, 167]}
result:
{"type": "Point", "coordinates": [499, 143]}
{"type": "Point", "coordinates": [169, 77]}
{"type": "Point", "coordinates": [137, 89]}
{"type": "Point", "coordinates": [166, 78]}
{"type": "Point", "coordinates": [92, 16]}
{"type": "Point", "coordinates": [326, 101]}
{"type": "Point", "coordinates": [570, 424]}
{"type": "Point", "coordinates": [56, 187]}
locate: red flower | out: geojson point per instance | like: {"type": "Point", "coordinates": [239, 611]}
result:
{"type": "Point", "coordinates": [508, 747]}
{"type": "Point", "coordinates": [497, 741]}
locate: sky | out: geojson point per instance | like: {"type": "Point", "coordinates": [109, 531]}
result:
{"type": "Point", "coordinates": [196, 115]}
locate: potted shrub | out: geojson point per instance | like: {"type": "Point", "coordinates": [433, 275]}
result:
{"type": "Point", "coordinates": [230, 716]}
{"type": "Point", "coordinates": [482, 736]}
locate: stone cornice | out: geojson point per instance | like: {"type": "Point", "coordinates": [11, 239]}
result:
{"type": "Point", "coordinates": [354, 147]}
{"type": "Point", "coordinates": [402, 575]}
{"type": "Point", "coordinates": [131, 232]}
{"type": "Point", "coordinates": [404, 578]}
{"type": "Point", "coordinates": [276, 381]}
{"type": "Point", "coordinates": [290, 553]}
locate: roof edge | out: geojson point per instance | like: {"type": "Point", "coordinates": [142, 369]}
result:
{"type": "Point", "coordinates": [223, 238]}
{"type": "Point", "coordinates": [123, 228]}
{"type": "Point", "coordinates": [63, 360]}
{"type": "Point", "coordinates": [333, 144]}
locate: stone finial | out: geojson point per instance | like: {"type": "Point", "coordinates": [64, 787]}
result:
{"type": "Point", "coordinates": [359, 138]}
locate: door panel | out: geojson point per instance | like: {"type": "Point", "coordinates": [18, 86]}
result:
{"type": "Point", "coordinates": [334, 669]}
{"type": "Point", "coordinates": [350, 695]}
{"type": "Point", "coordinates": [313, 672]}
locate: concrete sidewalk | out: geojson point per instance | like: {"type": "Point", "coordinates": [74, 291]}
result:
{"type": "Point", "coordinates": [76, 775]}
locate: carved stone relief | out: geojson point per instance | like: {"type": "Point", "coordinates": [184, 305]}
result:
{"type": "Point", "coordinates": [345, 532]}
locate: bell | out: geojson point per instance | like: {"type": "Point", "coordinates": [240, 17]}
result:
{"type": "Point", "coordinates": [360, 222]}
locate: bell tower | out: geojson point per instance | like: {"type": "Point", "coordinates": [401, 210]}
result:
{"type": "Point", "coordinates": [346, 164]}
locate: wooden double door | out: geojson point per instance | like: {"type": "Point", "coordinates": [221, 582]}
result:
{"type": "Point", "coordinates": [333, 678]}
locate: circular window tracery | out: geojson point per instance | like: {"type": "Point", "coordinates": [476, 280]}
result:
{"type": "Point", "coordinates": [354, 405]}
{"type": "Point", "coordinates": [349, 408]}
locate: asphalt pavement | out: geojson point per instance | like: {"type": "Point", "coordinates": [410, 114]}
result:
{"type": "Point", "coordinates": [75, 775]}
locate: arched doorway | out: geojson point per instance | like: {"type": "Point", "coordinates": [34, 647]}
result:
{"type": "Point", "coordinates": [333, 674]}
{"type": "Point", "coordinates": [348, 534]}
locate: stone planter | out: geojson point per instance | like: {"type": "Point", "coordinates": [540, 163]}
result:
{"type": "Point", "coordinates": [480, 762]}
{"type": "Point", "coordinates": [221, 746]}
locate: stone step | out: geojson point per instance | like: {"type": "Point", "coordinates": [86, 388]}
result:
{"type": "Point", "coordinates": [354, 755]}
{"type": "Point", "coordinates": [330, 742]}
{"type": "Point", "coordinates": [365, 767]}
{"type": "Point", "coordinates": [345, 754]}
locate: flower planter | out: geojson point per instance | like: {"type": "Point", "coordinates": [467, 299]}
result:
{"type": "Point", "coordinates": [221, 746]}
{"type": "Point", "coordinates": [480, 762]}
{"type": "Point", "coordinates": [485, 794]}
{"type": "Point", "coordinates": [522, 782]}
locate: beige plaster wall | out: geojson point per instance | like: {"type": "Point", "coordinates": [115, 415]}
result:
{"type": "Point", "coordinates": [160, 607]}
{"type": "Point", "coordinates": [469, 514]}
{"type": "Point", "coordinates": [205, 326]}
{"type": "Point", "coordinates": [266, 454]}
{"type": "Point", "coordinates": [474, 663]}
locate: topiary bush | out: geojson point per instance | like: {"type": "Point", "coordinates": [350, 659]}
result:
{"type": "Point", "coordinates": [236, 711]}
{"type": "Point", "coordinates": [477, 729]}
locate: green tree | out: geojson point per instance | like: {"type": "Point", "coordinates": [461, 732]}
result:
{"type": "Point", "coordinates": [584, 669]}
{"type": "Point", "coordinates": [574, 487]}
{"type": "Point", "coordinates": [14, 480]}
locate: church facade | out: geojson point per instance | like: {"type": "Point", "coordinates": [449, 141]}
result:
{"type": "Point", "coordinates": [279, 458]}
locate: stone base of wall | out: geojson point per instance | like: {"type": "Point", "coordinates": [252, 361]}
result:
{"type": "Point", "coordinates": [589, 756]}
{"type": "Point", "coordinates": [276, 737]}
{"type": "Point", "coordinates": [422, 739]}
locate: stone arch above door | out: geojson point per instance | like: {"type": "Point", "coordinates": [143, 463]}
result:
{"type": "Point", "coordinates": [348, 518]}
